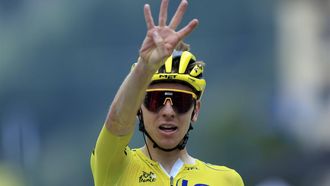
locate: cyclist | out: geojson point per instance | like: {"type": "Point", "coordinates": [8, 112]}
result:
{"type": "Point", "coordinates": [163, 89]}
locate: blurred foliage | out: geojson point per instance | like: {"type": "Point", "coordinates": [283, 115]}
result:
{"type": "Point", "coordinates": [62, 61]}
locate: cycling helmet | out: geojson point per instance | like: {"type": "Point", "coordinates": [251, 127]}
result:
{"type": "Point", "coordinates": [182, 67]}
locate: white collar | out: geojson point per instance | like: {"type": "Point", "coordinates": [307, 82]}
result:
{"type": "Point", "coordinates": [175, 169]}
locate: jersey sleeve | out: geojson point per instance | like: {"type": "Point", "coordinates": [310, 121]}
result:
{"type": "Point", "coordinates": [224, 175]}
{"type": "Point", "coordinates": [110, 157]}
{"type": "Point", "coordinates": [238, 179]}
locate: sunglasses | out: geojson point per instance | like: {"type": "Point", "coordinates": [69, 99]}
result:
{"type": "Point", "coordinates": [180, 100]}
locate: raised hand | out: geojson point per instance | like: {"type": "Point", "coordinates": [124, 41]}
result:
{"type": "Point", "coordinates": [161, 40]}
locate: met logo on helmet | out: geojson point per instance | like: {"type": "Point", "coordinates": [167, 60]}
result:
{"type": "Point", "coordinates": [167, 76]}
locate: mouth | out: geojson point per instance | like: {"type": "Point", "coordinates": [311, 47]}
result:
{"type": "Point", "coordinates": [168, 128]}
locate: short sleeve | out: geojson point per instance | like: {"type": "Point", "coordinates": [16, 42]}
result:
{"type": "Point", "coordinates": [110, 157]}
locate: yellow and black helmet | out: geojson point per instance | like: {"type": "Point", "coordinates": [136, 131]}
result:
{"type": "Point", "coordinates": [182, 67]}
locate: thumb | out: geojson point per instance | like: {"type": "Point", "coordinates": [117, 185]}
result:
{"type": "Point", "coordinates": [160, 44]}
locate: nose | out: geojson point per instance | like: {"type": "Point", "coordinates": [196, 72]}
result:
{"type": "Point", "coordinates": [167, 110]}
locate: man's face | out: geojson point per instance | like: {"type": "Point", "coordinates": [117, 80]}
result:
{"type": "Point", "coordinates": [166, 126]}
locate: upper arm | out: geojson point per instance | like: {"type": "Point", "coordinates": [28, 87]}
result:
{"type": "Point", "coordinates": [109, 157]}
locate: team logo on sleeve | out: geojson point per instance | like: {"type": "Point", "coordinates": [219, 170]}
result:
{"type": "Point", "coordinates": [147, 177]}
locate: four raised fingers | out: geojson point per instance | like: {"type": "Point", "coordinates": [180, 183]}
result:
{"type": "Point", "coordinates": [175, 20]}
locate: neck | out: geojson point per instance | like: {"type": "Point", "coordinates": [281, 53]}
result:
{"type": "Point", "coordinates": [167, 159]}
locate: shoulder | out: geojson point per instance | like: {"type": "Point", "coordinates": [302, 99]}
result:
{"type": "Point", "coordinates": [216, 168]}
{"type": "Point", "coordinates": [221, 172]}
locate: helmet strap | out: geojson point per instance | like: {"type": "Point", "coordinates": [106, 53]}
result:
{"type": "Point", "coordinates": [180, 146]}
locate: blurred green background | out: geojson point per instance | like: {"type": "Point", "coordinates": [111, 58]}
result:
{"type": "Point", "coordinates": [265, 112]}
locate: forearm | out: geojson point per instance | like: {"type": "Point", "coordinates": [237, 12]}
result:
{"type": "Point", "coordinates": [122, 114]}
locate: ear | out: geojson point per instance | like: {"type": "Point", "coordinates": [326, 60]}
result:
{"type": "Point", "coordinates": [196, 111]}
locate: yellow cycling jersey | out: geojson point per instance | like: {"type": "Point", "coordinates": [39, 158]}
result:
{"type": "Point", "coordinates": [114, 163]}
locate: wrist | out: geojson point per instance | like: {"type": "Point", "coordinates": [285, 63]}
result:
{"type": "Point", "coordinates": [146, 66]}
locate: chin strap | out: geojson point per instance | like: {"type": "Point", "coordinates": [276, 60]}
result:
{"type": "Point", "coordinates": [180, 146]}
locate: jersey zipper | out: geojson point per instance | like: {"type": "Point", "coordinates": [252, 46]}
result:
{"type": "Point", "coordinates": [171, 181]}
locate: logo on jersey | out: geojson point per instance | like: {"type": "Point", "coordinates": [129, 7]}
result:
{"type": "Point", "coordinates": [147, 177]}
{"type": "Point", "coordinates": [185, 183]}
{"type": "Point", "coordinates": [191, 168]}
